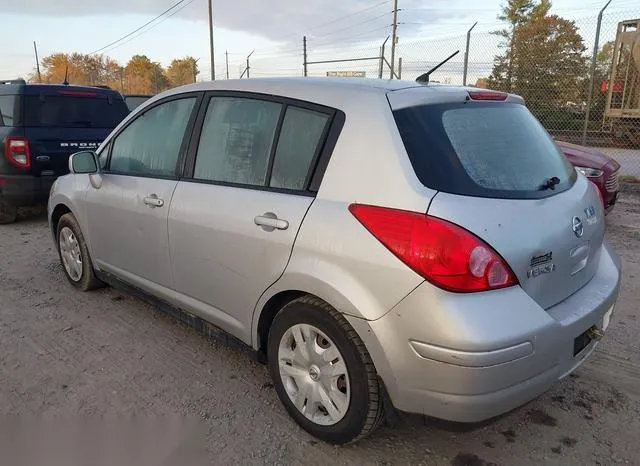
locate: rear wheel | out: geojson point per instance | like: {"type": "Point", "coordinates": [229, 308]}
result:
{"type": "Point", "coordinates": [74, 254]}
{"type": "Point", "coordinates": [323, 373]}
{"type": "Point", "coordinates": [8, 213]}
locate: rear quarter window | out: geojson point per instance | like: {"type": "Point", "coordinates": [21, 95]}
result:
{"type": "Point", "coordinates": [492, 149]}
{"type": "Point", "coordinates": [69, 111]}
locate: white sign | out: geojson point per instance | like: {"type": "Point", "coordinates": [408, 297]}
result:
{"type": "Point", "coordinates": [347, 74]}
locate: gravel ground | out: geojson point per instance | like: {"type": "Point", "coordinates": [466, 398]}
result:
{"type": "Point", "coordinates": [69, 354]}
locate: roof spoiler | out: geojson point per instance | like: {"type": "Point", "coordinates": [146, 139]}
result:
{"type": "Point", "coordinates": [424, 78]}
{"type": "Point", "coordinates": [13, 81]}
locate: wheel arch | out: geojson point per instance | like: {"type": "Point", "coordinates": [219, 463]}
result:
{"type": "Point", "coordinates": [292, 286]}
{"type": "Point", "coordinates": [57, 212]}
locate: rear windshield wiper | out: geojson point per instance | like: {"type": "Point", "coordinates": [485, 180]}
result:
{"type": "Point", "coordinates": [551, 183]}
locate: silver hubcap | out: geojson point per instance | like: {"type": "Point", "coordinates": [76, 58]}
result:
{"type": "Point", "coordinates": [314, 374]}
{"type": "Point", "coordinates": [70, 253]}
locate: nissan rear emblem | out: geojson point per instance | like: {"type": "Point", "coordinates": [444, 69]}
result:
{"type": "Point", "coordinates": [578, 228]}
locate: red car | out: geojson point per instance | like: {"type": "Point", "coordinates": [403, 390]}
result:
{"type": "Point", "coordinates": [601, 169]}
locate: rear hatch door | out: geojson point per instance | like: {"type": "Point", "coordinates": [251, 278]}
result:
{"type": "Point", "coordinates": [501, 176]}
{"type": "Point", "coordinates": [57, 124]}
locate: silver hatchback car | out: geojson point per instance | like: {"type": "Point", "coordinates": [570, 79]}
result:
{"type": "Point", "coordinates": [423, 244]}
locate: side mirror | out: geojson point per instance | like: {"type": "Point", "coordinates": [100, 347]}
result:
{"type": "Point", "coordinates": [86, 162]}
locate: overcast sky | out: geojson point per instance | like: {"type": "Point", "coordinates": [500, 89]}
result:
{"type": "Point", "coordinates": [274, 28]}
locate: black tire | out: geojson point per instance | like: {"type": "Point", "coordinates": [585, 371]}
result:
{"type": "Point", "coordinates": [88, 280]}
{"type": "Point", "coordinates": [8, 213]}
{"type": "Point", "coordinates": [365, 412]}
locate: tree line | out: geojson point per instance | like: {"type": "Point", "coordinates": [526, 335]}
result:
{"type": "Point", "coordinates": [139, 76]}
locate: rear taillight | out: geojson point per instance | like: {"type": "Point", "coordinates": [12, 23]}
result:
{"type": "Point", "coordinates": [445, 254]}
{"type": "Point", "coordinates": [17, 152]}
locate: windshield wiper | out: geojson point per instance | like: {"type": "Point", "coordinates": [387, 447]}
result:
{"type": "Point", "coordinates": [551, 183]}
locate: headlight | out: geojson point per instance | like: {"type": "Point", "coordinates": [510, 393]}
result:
{"type": "Point", "coordinates": [590, 172]}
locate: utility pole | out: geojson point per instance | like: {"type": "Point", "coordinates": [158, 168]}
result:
{"type": "Point", "coordinates": [304, 53]}
{"type": "Point", "coordinates": [35, 49]}
{"type": "Point", "coordinates": [394, 37]}
{"type": "Point", "coordinates": [122, 79]}
{"type": "Point", "coordinates": [213, 65]}
{"type": "Point", "coordinates": [226, 59]}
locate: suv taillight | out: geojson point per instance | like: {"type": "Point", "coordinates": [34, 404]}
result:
{"type": "Point", "coordinates": [17, 152]}
{"type": "Point", "coordinates": [443, 253]}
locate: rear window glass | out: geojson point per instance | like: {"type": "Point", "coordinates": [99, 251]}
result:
{"type": "Point", "coordinates": [8, 110]}
{"type": "Point", "coordinates": [73, 111]}
{"type": "Point", "coordinates": [483, 149]}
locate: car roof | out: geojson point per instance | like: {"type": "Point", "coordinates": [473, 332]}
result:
{"type": "Point", "coordinates": [21, 87]}
{"type": "Point", "coordinates": [308, 84]}
{"type": "Point", "coordinates": [331, 91]}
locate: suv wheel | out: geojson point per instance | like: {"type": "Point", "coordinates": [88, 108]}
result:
{"type": "Point", "coordinates": [323, 373]}
{"type": "Point", "coordinates": [74, 254]}
{"type": "Point", "coordinates": [8, 213]}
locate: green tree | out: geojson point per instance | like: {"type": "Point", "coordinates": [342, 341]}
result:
{"type": "Point", "coordinates": [516, 13]}
{"type": "Point", "coordinates": [182, 71]}
{"type": "Point", "coordinates": [544, 62]}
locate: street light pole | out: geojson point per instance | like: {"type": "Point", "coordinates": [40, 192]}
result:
{"type": "Point", "coordinates": [213, 65]}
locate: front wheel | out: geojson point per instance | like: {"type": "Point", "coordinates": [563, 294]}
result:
{"type": "Point", "coordinates": [74, 254]}
{"type": "Point", "coordinates": [323, 373]}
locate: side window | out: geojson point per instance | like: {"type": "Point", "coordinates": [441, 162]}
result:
{"type": "Point", "coordinates": [236, 140]}
{"type": "Point", "coordinates": [150, 145]}
{"type": "Point", "coordinates": [299, 139]}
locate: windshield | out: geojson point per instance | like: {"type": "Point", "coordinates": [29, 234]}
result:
{"type": "Point", "coordinates": [486, 149]}
{"type": "Point", "coordinates": [73, 111]}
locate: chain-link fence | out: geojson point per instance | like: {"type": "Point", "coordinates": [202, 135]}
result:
{"type": "Point", "coordinates": [549, 61]}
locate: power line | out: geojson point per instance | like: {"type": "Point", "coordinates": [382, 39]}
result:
{"type": "Point", "coordinates": [141, 27]}
{"type": "Point", "coordinates": [338, 19]}
{"type": "Point", "coordinates": [154, 25]}
{"type": "Point", "coordinates": [351, 27]}
{"type": "Point", "coordinates": [332, 40]}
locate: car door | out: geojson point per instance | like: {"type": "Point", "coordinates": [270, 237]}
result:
{"type": "Point", "coordinates": [232, 225]}
{"type": "Point", "coordinates": [127, 214]}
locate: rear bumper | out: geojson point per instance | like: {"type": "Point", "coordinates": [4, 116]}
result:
{"type": "Point", "coordinates": [25, 190]}
{"type": "Point", "coordinates": [469, 358]}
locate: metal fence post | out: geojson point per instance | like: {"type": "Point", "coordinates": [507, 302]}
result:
{"type": "Point", "coordinates": [381, 69]}
{"type": "Point", "coordinates": [400, 68]}
{"type": "Point", "coordinates": [592, 75]}
{"type": "Point", "coordinates": [466, 56]}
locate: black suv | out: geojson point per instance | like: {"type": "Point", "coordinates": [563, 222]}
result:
{"type": "Point", "coordinates": [40, 126]}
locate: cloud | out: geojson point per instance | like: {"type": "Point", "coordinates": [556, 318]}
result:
{"type": "Point", "coordinates": [277, 20]}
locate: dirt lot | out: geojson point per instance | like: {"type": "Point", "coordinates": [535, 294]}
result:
{"type": "Point", "coordinates": [66, 354]}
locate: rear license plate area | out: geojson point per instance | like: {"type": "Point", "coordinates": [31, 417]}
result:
{"type": "Point", "coordinates": [581, 342]}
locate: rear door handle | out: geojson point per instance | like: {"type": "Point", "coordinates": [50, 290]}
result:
{"type": "Point", "coordinates": [270, 221]}
{"type": "Point", "coordinates": [152, 200]}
